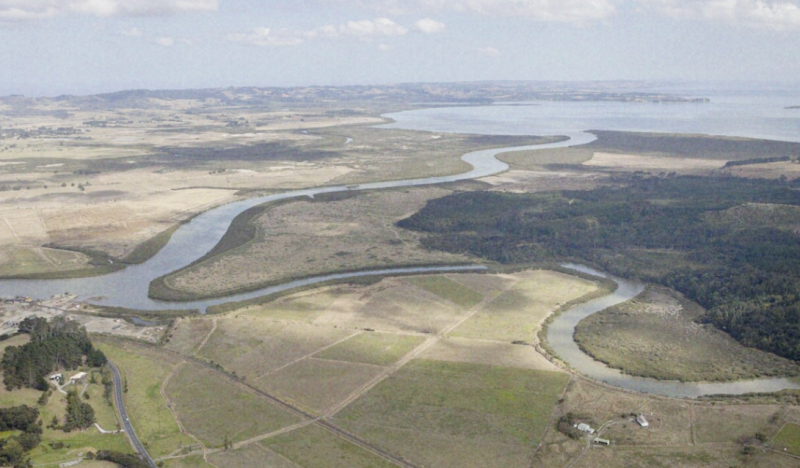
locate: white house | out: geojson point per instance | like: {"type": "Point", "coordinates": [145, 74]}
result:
{"type": "Point", "coordinates": [77, 377]}
{"type": "Point", "coordinates": [642, 420]}
{"type": "Point", "coordinates": [583, 427]}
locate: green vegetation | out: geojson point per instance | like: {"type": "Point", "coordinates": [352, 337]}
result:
{"type": "Point", "coordinates": [448, 289]}
{"type": "Point", "coordinates": [691, 146]}
{"type": "Point", "coordinates": [789, 438]}
{"type": "Point", "coordinates": [80, 415]}
{"type": "Point", "coordinates": [656, 335]}
{"type": "Point", "coordinates": [314, 447]}
{"type": "Point", "coordinates": [145, 372]}
{"type": "Point", "coordinates": [147, 249]}
{"type": "Point", "coordinates": [455, 414]}
{"type": "Point", "coordinates": [21, 421]}
{"type": "Point", "coordinates": [380, 349]}
{"type": "Point", "coordinates": [214, 408]}
{"type": "Point", "coordinates": [125, 460]}
{"type": "Point", "coordinates": [57, 344]}
{"type": "Point", "coordinates": [746, 276]}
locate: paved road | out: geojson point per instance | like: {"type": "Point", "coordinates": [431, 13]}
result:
{"type": "Point", "coordinates": [123, 416]}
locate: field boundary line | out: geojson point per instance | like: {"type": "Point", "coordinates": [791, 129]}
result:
{"type": "Point", "coordinates": [208, 337]}
{"type": "Point", "coordinates": [477, 308]}
{"type": "Point", "coordinates": [269, 450]}
{"type": "Point", "coordinates": [358, 393]}
{"type": "Point", "coordinates": [308, 356]}
{"type": "Point", "coordinates": [424, 346]}
{"type": "Point", "coordinates": [163, 391]}
{"type": "Point", "coordinates": [269, 435]}
{"type": "Point", "coordinates": [323, 423]}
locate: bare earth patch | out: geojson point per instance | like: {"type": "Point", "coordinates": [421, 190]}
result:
{"type": "Point", "coordinates": [632, 162]}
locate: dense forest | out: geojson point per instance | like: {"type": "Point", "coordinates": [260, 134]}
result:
{"type": "Point", "coordinates": [57, 344]}
{"type": "Point", "coordinates": [730, 244]}
{"type": "Point", "coordinates": [13, 450]}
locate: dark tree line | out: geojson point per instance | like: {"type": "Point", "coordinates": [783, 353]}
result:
{"type": "Point", "coordinates": [656, 229]}
{"type": "Point", "coordinates": [57, 344]}
{"type": "Point", "coordinates": [14, 449]}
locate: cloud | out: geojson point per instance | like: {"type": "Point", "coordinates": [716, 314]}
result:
{"type": "Point", "coordinates": [133, 32]}
{"type": "Point", "coordinates": [778, 15]}
{"type": "Point", "coordinates": [429, 26]}
{"type": "Point", "coordinates": [489, 52]}
{"type": "Point", "coordinates": [364, 30]}
{"type": "Point", "coordinates": [579, 11]}
{"type": "Point", "coordinates": [28, 10]}
{"type": "Point", "coordinates": [165, 41]}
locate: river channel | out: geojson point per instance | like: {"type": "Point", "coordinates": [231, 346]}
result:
{"type": "Point", "coordinates": [129, 287]}
{"type": "Point", "coordinates": [560, 338]}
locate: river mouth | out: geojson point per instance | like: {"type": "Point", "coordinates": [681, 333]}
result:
{"type": "Point", "coordinates": [560, 337]}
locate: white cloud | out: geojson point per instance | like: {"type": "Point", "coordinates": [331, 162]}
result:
{"type": "Point", "coordinates": [26, 10]}
{"type": "Point", "coordinates": [165, 41]}
{"type": "Point", "coordinates": [133, 32]}
{"type": "Point", "coordinates": [579, 11]}
{"type": "Point", "coordinates": [362, 30]}
{"type": "Point", "coordinates": [489, 52]}
{"type": "Point", "coordinates": [429, 26]}
{"type": "Point", "coordinates": [779, 15]}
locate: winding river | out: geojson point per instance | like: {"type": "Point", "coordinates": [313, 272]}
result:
{"type": "Point", "coordinates": [560, 337]}
{"type": "Point", "coordinates": [129, 287]}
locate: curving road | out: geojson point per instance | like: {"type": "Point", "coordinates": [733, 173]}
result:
{"type": "Point", "coordinates": [123, 416]}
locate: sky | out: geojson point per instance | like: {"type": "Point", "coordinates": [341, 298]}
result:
{"type": "Point", "coordinates": [53, 47]}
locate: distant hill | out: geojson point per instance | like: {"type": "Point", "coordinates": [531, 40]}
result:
{"type": "Point", "coordinates": [422, 93]}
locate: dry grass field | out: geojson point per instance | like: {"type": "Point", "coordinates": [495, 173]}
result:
{"type": "Point", "coordinates": [350, 234]}
{"type": "Point", "coordinates": [655, 335]}
{"type": "Point", "coordinates": [187, 336]}
{"type": "Point", "coordinates": [517, 313]}
{"type": "Point", "coordinates": [212, 407]}
{"type": "Point", "coordinates": [253, 348]}
{"type": "Point", "coordinates": [109, 180]}
{"type": "Point", "coordinates": [633, 162]}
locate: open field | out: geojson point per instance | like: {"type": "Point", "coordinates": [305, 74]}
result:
{"type": "Point", "coordinates": [317, 385]}
{"type": "Point", "coordinates": [788, 439]}
{"type": "Point", "coordinates": [453, 414]}
{"type": "Point", "coordinates": [252, 348]}
{"type": "Point", "coordinates": [632, 162]}
{"type": "Point", "coordinates": [212, 407]}
{"type": "Point", "coordinates": [488, 353]}
{"type": "Point", "coordinates": [352, 233]}
{"type": "Point", "coordinates": [517, 314]}
{"type": "Point", "coordinates": [379, 349]}
{"type": "Point", "coordinates": [655, 335]}
{"type": "Point", "coordinates": [312, 447]}
{"type": "Point", "coordinates": [187, 335]}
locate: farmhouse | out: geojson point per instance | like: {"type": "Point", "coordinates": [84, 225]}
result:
{"type": "Point", "coordinates": [583, 427]}
{"type": "Point", "coordinates": [642, 420]}
{"type": "Point", "coordinates": [599, 441]}
{"type": "Point", "coordinates": [77, 377]}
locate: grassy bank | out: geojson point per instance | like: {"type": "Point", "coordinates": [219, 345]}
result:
{"type": "Point", "coordinates": [657, 335]}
